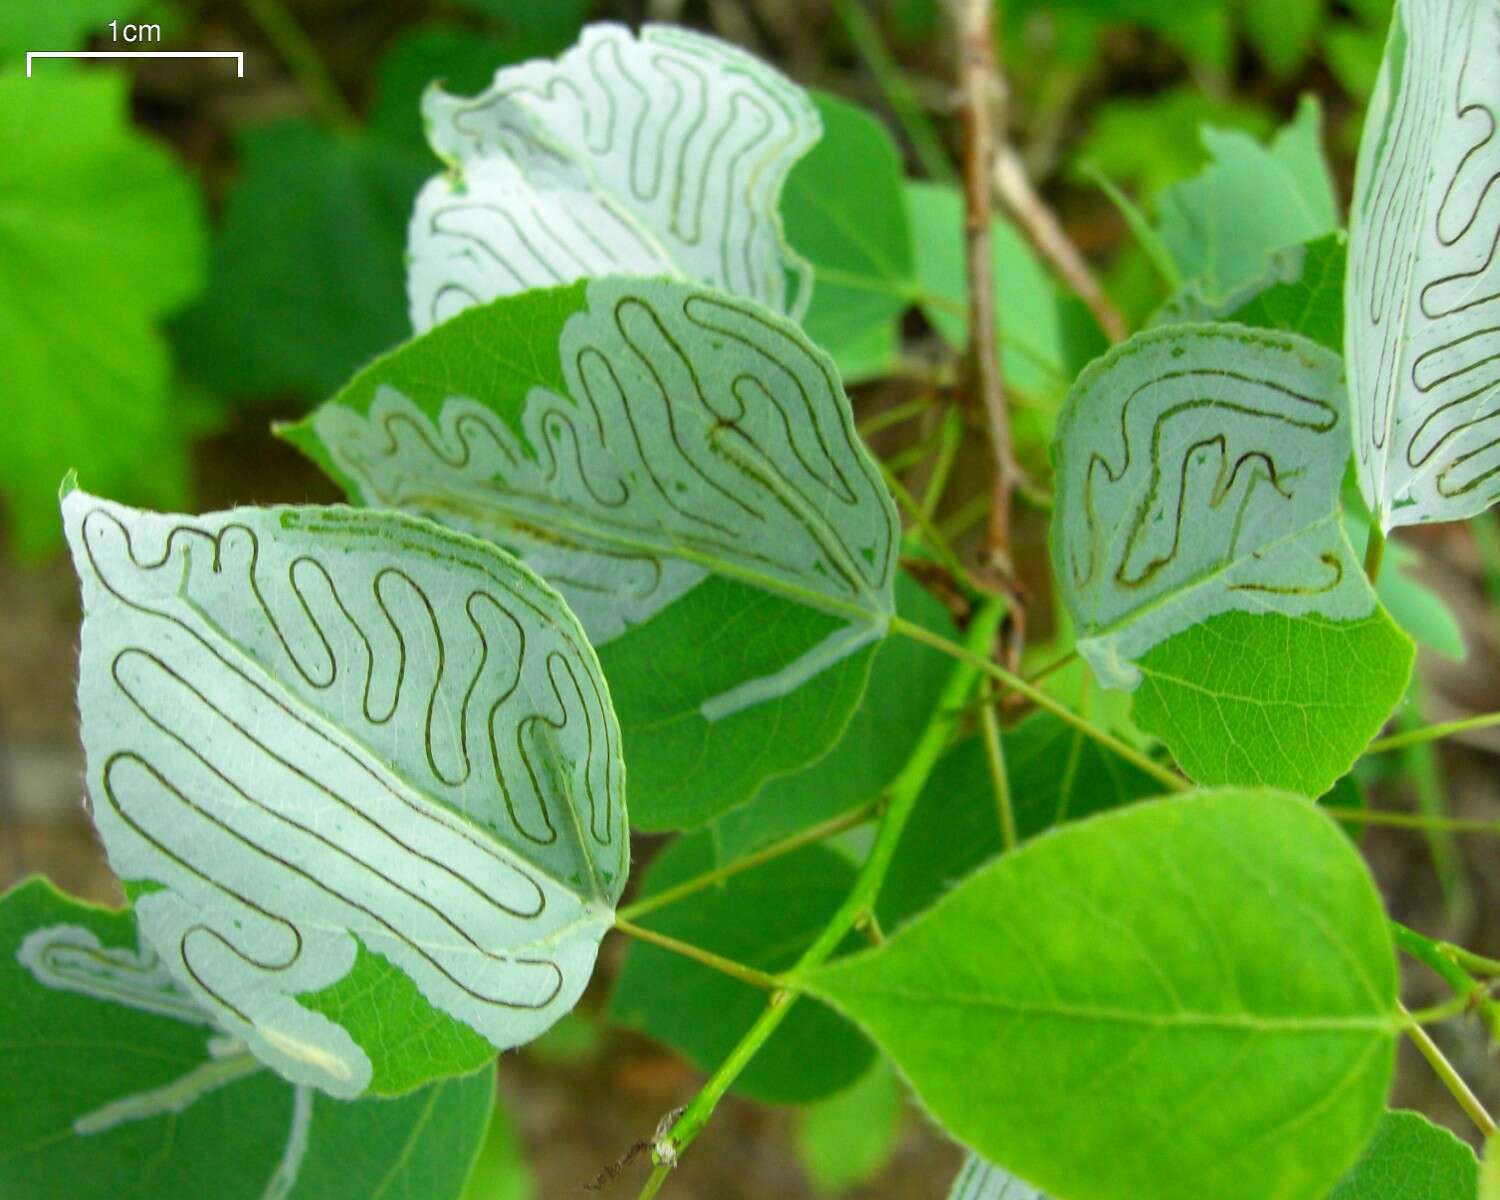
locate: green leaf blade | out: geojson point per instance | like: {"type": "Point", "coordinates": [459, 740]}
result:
{"type": "Point", "coordinates": [92, 1120]}
{"type": "Point", "coordinates": [1410, 1158]}
{"type": "Point", "coordinates": [1127, 957]}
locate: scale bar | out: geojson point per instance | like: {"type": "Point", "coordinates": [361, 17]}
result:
{"type": "Point", "coordinates": [237, 55]}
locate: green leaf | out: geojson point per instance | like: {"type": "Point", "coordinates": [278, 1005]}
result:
{"type": "Point", "coordinates": [100, 237]}
{"type": "Point", "coordinates": [601, 163]}
{"type": "Point", "coordinates": [633, 438]}
{"type": "Point", "coordinates": [1042, 341]}
{"type": "Point", "coordinates": [306, 284]}
{"type": "Point", "coordinates": [1197, 544]}
{"type": "Point", "coordinates": [500, 1172]}
{"type": "Point", "coordinates": [1056, 775]}
{"type": "Point", "coordinates": [1302, 291]}
{"type": "Point", "coordinates": [362, 773]}
{"type": "Point", "coordinates": [1217, 962]}
{"type": "Point", "coordinates": [980, 1180]}
{"type": "Point", "coordinates": [458, 57]}
{"type": "Point", "coordinates": [58, 25]}
{"type": "Point", "coordinates": [1250, 200]}
{"type": "Point", "coordinates": [1151, 142]}
{"type": "Point", "coordinates": [843, 212]}
{"type": "Point", "coordinates": [1424, 384]}
{"type": "Point", "coordinates": [1489, 1172]}
{"type": "Point", "coordinates": [765, 918]}
{"type": "Point", "coordinates": [906, 681]}
{"type": "Point", "coordinates": [847, 1139]}
{"type": "Point", "coordinates": [1284, 32]}
{"type": "Point", "coordinates": [527, 29]}
{"type": "Point", "coordinates": [116, 1086]}
{"type": "Point", "coordinates": [1410, 1158]}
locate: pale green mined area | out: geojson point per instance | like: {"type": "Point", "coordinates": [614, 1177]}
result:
{"type": "Point", "coordinates": [1227, 944]}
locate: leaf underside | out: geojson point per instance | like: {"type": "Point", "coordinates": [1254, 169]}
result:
{"type": "Point", "coordinates": [362, 773]}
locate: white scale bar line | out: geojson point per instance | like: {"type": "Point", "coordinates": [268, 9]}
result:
{"type": "Point", "coordinates": [237, 55]}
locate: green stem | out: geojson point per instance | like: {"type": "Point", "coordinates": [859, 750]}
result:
{"type": "Point", "coordinates": [1477, 963]}
{"type": "Point", "coordinates": [1374, 552]}
{"type": "Point", "coordinates": [301, 57]}
{"type": "Point", "coordinates": [894, 415]}
{"type": "Point", "coordinates": [1426, 773]}
{"type": "Point", "coordinates": [942, 469]}
{"type": "Point", "coordinates": [1040, 698]}
{"type": "Point", "coordinates": [901, 798]}
{"type": "Point", "coordinates": [969, 514]}
{"type": "Point", "coordinates": [814, 833]}
{"type": "Point", "coordinates": [717, 962]}
{"type": "Point", "coordinates": [1440, 958]}
{"type": "Point", "coordinates": [1401, 820]}
{"type": "Point", "coordinates": [1431, 733]}
{"type": "Point", "coordinates": [899, 94]}
{"type": "Point", "coordinates": [1450, 1077]}
{"type": "Point", "coordinates": [994, 753]}
{"type": "Point", "coordinates": [932, 537]}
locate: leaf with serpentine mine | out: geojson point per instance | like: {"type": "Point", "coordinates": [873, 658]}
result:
{"type": "Point", "coordinates": [662, 154]}
{"type": "Point", "coordinates": [360, 775]}
{"type": "Point", "coordinates": [631, 439]}
{"type": "Point", "coordinates": [1422, 294]}
{"type": "Point", "coordinates": [1198, 545]}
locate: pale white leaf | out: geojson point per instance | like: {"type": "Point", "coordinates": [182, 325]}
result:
{"type": "Point", "coordinates": [316, 731]}
{"type": "Point", "coordinates": [1422, 297]}
{"type": "Point", "coordinates": [662, 154]}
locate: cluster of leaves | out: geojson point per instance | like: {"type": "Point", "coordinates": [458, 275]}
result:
{"type": "Point", "coordinates": [363, 770]}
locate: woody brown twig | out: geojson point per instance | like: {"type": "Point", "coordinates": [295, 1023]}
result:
{"type": "Point", "coordinates": [978, 101]}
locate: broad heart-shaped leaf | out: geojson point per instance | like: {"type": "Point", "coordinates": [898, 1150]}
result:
{"type": "Point", "coordinates": [1410, 1158]}
{"type": "Point", "coordinates": [1423, 288]}
{"type": "Point", "coordinates": [1216, 963]}
{"type": "Point", "coordinates": [631, 438]}
{"type": "Point", "coordinates": [843, 210]}
{"type": "Point", "coordinates": [1197, 543]}
{"type": "Point", "coordinates": [115, 1085]}
{"type": "Point", "coordinates": [361, 775]}
{"type": "Point", "coordinates": [764, 917]}
{"type": "Point", "coordinates": [650, 155]}
{"type": "Point", "coordinates": [980, 1180]}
